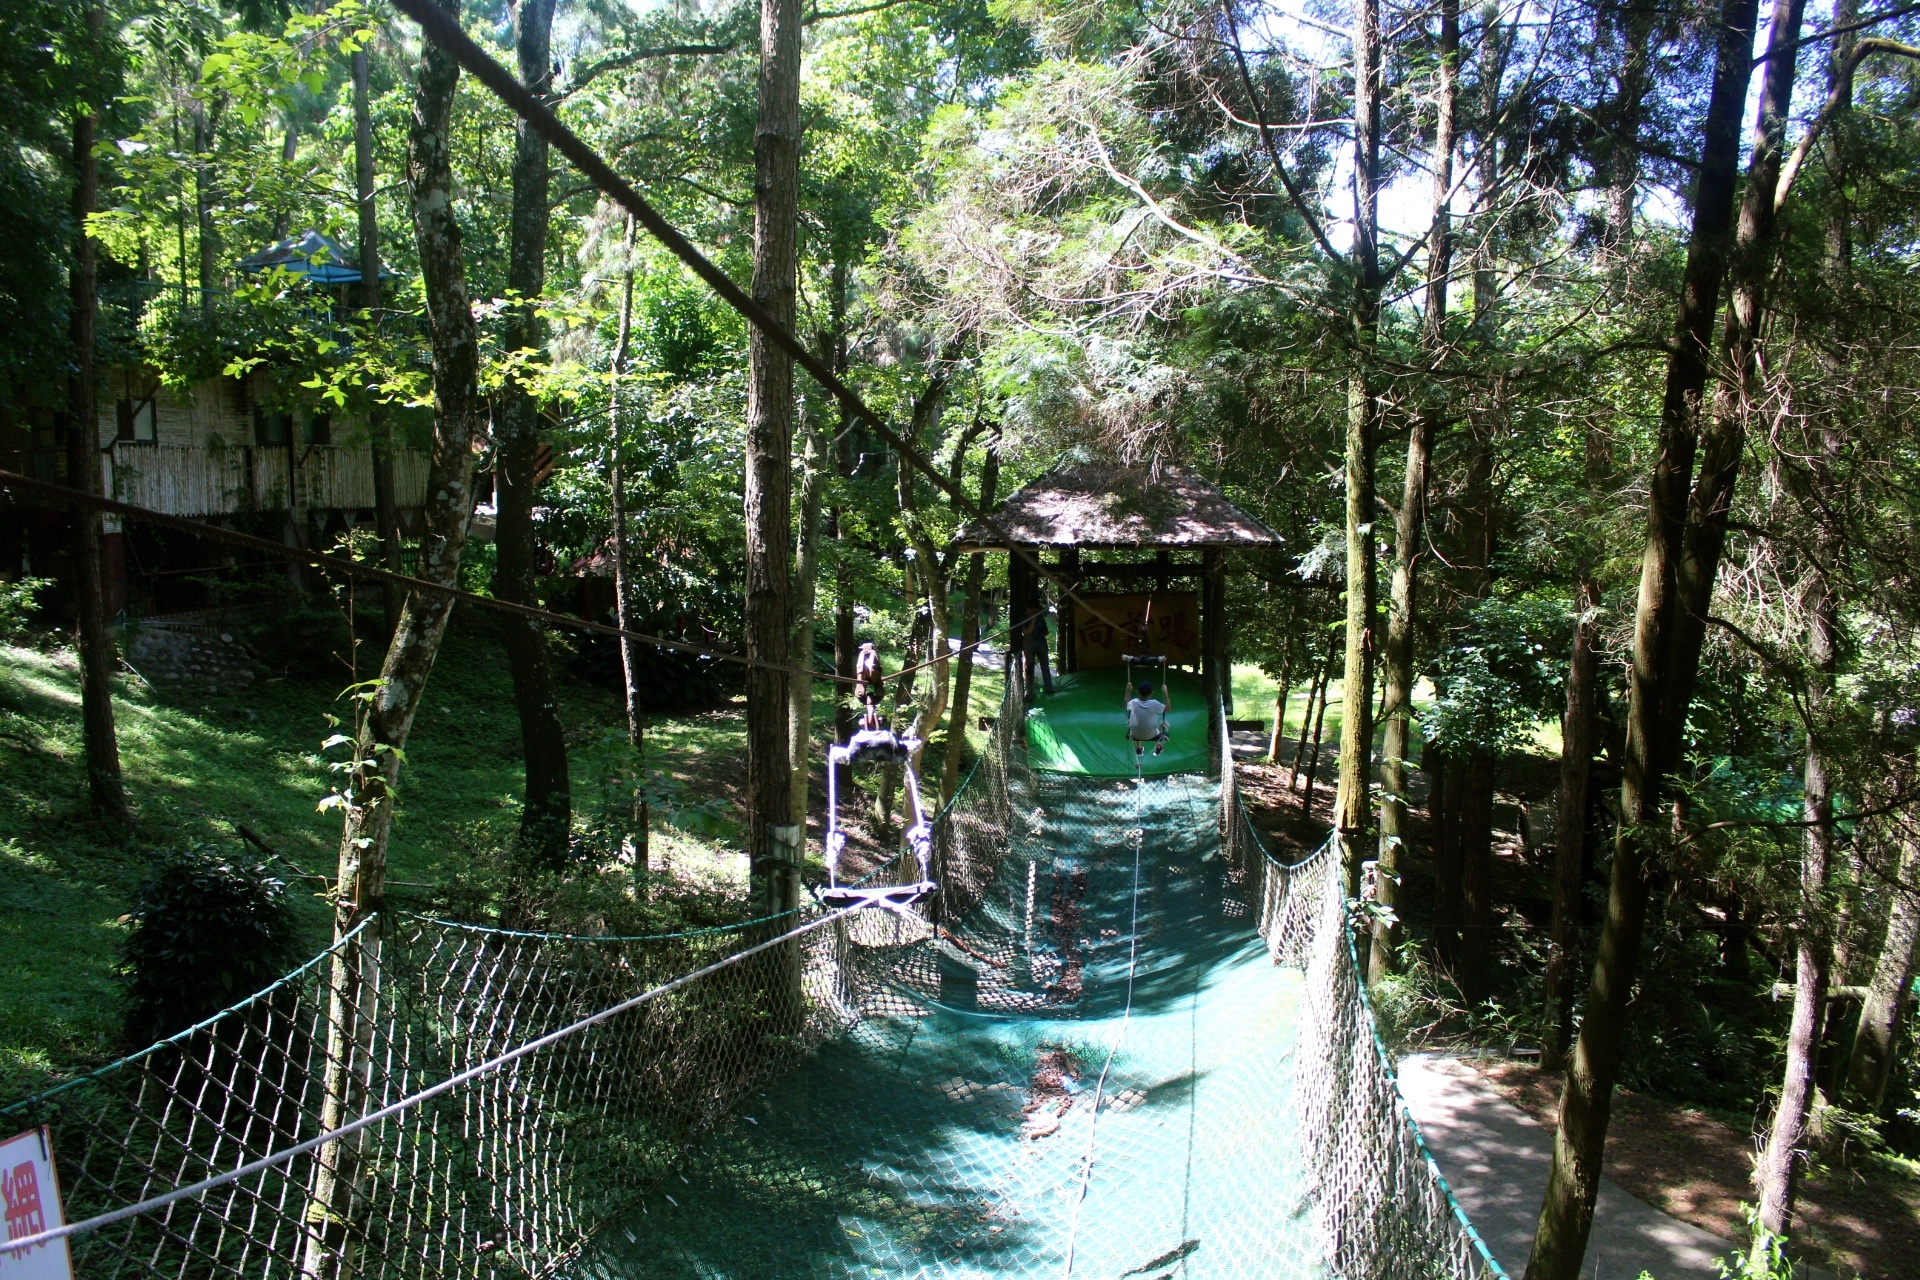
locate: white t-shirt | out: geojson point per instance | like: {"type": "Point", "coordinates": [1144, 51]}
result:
{"type": "Point", "coordinates": [1146, 718]}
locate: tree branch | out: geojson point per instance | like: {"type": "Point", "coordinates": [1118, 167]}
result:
{"type": "Point", "coordinates": [1841, 92]}
{"type": "Point", "coordinates": [1266, 137]}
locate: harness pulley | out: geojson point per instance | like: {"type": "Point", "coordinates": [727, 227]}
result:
{"type": "Point", "coordinates": [865, 748]}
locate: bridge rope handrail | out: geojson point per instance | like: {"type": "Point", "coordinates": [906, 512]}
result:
{"type": "Point", "coordinates": [513, 1109]}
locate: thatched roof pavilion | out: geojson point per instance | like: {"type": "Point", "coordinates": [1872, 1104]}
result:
{"type": "Point", "coordinates": [1085, 505]}
{"type": "Point", "coordinates": [1094, 506]}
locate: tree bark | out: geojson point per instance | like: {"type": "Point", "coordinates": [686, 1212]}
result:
{"type": "Point", "coordinates": [1871, 1060]}
{"type": "Point", "coordinates": [1570, 828]}
{"type": "Point", "coordinates": [806, 573]}
{"type": "Point", "coordinates": [969, 637]}
{"type": "Point", "coordinates": [1776, 1174]}
{"type": "Point", "coordinates": [1410, 520]}
{"type": "Point", "coordinates": [207, 241]}
{"type": "Point", "coordinates": [106, 791]}
{"type": "Point", "coordinates": [1475, 836]}
{"type": "Point", "coordinates": [1353, 807]}
{"type": "Point", "coordinates": [1316, 693]}
{"type": "Point", "coordinates": [386, 504]}
{"type": "Point", "coordinates": [1280, 700]}
{"type": "Point", "coordinates": [623, 611]}
{"type": "Point", "coordinates": [1443, 812]}
{"type": "Point", "coordinates": [1573, 1183]}
{"type": "Point", "coordinates": [773, 843]}
{"type": "Point", "coordinates": [546, 817]}
{"type": "Point", "coordinates": [460, 418]}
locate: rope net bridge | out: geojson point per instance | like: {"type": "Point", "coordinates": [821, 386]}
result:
{"type": "Point", "coordinates": [1120, 1040]}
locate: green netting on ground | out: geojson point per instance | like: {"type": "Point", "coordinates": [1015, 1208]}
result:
{"type": "Point", "coordinates": [913, 1093]}
{"type": "Point", "coordinates": [1081, 727]}
{"type": "Point", "coordinates": [948, 1136]}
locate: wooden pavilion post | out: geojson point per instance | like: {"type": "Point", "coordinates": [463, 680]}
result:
{"type": "Point", "coordinates": [1021, 591]}
{"type": "Point", "coordinates": [1069, 579]}
{"type": "Point", "coordinates": [1214, 676]}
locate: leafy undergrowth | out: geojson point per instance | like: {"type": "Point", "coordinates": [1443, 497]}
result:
{"type": "Point", "coordinates": [200, 763]}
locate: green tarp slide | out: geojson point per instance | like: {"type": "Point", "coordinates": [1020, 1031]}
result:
{"type": "Point", "coordinates": [1082, 727]}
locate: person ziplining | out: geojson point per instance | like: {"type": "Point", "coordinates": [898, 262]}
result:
{"type": "Point", "coordinates": [1147, 717]}
{"type": "Point", "coordinates": [874, 744]}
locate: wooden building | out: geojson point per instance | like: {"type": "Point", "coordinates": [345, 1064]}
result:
{"type": "Point", "coordinates": [222, 450]}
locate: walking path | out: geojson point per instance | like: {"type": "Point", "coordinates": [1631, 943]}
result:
{"type": "Point", "coordinates": [1496, 1156]}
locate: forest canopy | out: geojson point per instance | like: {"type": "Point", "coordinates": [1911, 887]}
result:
{"type": "Point", "coordinates": [1568, 349]}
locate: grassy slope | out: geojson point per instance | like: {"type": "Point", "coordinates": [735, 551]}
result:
{"type": "Point", "coordinates": [197, 763]}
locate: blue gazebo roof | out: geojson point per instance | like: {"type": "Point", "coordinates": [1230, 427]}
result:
{"type": "Point", "coordinates": [320, 258]}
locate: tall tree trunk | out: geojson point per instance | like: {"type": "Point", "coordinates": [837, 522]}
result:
{"type": "Point", "coordinates": [845, 652]}
{"type": "Point", "coordinates": [1570, 828]}
{"type": "Point", "coordinates": [1871, 1060]}
{"type": "Point", "coordinates": [1353, 807]}
{"type": "Point", "coordinates": [623, 611]}
{"type": "Point", "coordinates": [1473, 835]}
{"type": "Point", "coordinates": [386, 504]}
{"type": "Point", "coordinates": [546, 818]}
{"type": "Point", "coordinates": [1776, 1175]}
{"type": "Point", "coordinates": [105, 790]}
{"type": "Point", "coordinates": [208, 241]}
{"type": "Point", "coordinates": [1316, 691]}
{"type": "Point", "coordinates": [460, 419]}
{"type": "Point", "coordinates": [773, 841]}
{"type": "Point", "coordinates": [1280, 699]}
{"type": "Point", "coordinates": [1573, 1183]}
{"type": "Point", "coordinates": [969, 636]}
{"type": "Point", "coordinates": [1443, 811]}
{"type": "Point", "coordinates": [806, 572]}
{"type": "Point", "coordinates": [1319, 724]}
{"type": "Point", "coordinates": [1634, 30]}
{"type": "Point", "coordinates": [1409, 525]}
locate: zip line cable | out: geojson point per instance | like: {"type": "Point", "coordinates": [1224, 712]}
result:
{"type": "Point", "coordinates": [1137, 837]}
{"type": "Point", "coordinates": [407, 1103]}
{"type": "Point", "coordinates": [354, 568]}
{"type": "Point", "coordinates": [444, 30]}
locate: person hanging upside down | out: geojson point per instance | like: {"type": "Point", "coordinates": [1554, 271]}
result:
{"type": "Point", "coordinates": [1147, 720]}
{"type": "Point", "coordinates": [869, 683]}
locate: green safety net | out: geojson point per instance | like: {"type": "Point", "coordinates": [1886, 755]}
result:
{"type": "Point", "coordinates": [1121, 1040]}
{"type": "Point", "coordinates": [1103, 1017]}
{"type": "Point", "coordinates": [1081, 727]}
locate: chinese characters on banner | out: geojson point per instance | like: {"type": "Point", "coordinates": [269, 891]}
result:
{"type": "Point", "coordinates": [1171, 628]}
{"type": "Point", "coordinates": [31, 1197]}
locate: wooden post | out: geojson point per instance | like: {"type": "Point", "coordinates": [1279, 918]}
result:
{"type": "Point", "coordinates": [1214, 676]}
{"type": "Point", "coordinates": [1021, 591]}
{"type": "Point", "coordinates": [1069, 577]}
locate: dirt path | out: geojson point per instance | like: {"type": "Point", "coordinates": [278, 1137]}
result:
{"type": "Point", "coordinates": [1862, 1222]}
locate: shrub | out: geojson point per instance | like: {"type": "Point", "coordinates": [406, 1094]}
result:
{"type": "Point", "coordinates": [208, 931]}
{"type": "Point", "coordinates": [19, 601]}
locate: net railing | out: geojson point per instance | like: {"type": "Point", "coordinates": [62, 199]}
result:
{"type": "Point", "coordinates": [512, 1172]}
{"type": "Point", "coordinates": [1383, 1208]}
{"type": "Point", "coordinates": [515, 1170]}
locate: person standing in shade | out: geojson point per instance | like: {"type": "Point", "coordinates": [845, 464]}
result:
{"type": "Point", "coordinates": [869, 683]}
{"type": "Point", "coordinates": [1033, 647]}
